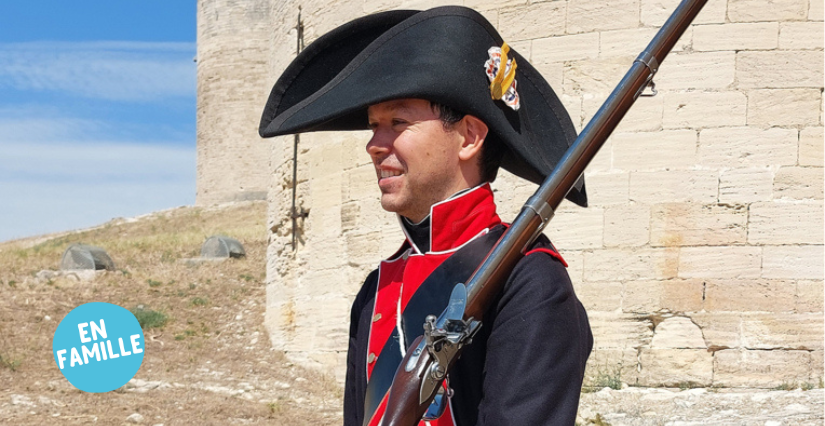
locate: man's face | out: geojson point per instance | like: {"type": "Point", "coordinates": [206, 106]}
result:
{"type": "Point", "coordinates": [416, 159]}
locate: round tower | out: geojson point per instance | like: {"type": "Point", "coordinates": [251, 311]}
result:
{"type": "Point", "coordinates": [233, 53]}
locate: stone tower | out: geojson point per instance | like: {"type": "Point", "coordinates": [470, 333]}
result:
{"type": "Point", "coordinates": [233, 72]}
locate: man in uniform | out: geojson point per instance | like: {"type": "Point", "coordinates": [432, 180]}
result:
{"type": "Point", "coordinates": [448, 103]}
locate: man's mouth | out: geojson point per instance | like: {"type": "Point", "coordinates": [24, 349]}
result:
{"type": "Point", "coordinates": [388, 173]}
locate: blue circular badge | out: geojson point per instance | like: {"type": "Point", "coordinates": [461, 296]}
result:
{"type": "Point", "coordinates": [98, 347]}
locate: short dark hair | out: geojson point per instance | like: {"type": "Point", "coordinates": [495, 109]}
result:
{"type": "Point", "coordinates": [491, 151]}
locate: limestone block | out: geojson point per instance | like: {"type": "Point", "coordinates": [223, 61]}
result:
{"type": "Point", "coordinates": [339, 367]}
{"type": "Point", "coordinates": [616, 331]}
{"type": "Point", "coordinates": [743, 186]}
{"type": "Point", "coordinates": [607, 188]}
{"type": "Point", "coordinates": [324, 254]}
{"type": "Point", "coordinates": [704, 109]}
{"type": "Point", "coordinates": [770, 69]}
{"type": "Point", "coordinates": [600, 296]}
{"type": "Point", "coordinates": [677, 333]}
{"type": "Point", "coordinates": [626, 225]}
{"type": "Point", "coordinates": [575, 263]}
{"type": "Point", "coordinates": [490, 14]}
{"type": "Point", "coordinates": [532, 21]}
{"type": "Point", "coordinates": [747, 147]}
{"type": "Point", "coordinates": [798, 183]}
{"type": "Point", "coordinates": [493, 4]}
{"type": "Point", "coordinates": [325, 158]}
{"type": "Point", "coordinates": [655, 296]}
{"type": "Point", "coordinates": [606, 365]}
{"type": "Point", "coordinates": [782, 331]}
{"type": "Point", "coordinates": [720, 262]}
{"type": "Point", "coordinates": [354, 149]}
{"type": "Point", "coordinates": [391, 240]}
{"type": "Point", "coordinates": [783, 107]}
{"type": "Point", "coordinates": [750, 295]}
{"type": "Point", "coordinates": [674, 186]}
{"type": "Point", "coordinates": [372, 6]}
{"type": "Point", "coordinates": [710, 70]}
{"type": "Point", "coordinates": [675, 367]}
{"type": "Point", "coordinates": [720, 330]}
{"type": "Point", "coordinates": [573, 105]}
{"type": "Point", "coordinates": [519, 193]}
{"type": "Point", "coordinates": [279, 319]}
{"type": "Point", "coordinates": [815, 11]}
{"type": "Point", "coordinates": [577, 229]}
{"type": "Point", "coordinates": [801, 35]}
{"type": "Point", "coordinates": [586, 16]}
{"type": "Point", "coordinates": [681, 224]}
{"type": "Point", "coordinates": [800, 262]}
{"type": "Point", "coordinates": [759, 369]}
{"type": "Point", "coordinates": [565, 48]}
{"type": "Point", "coordinates": [322, 323]}
{"type": "Point", "coordinates": [348, 280]}
{"type": "Point", "coordinates": [774, 10]}
{"type": "Point", "coordinates": [809, 296]}
{"type": "Point", "coordinates": [372, 216]}
{"type": "Point", "coordinates": [811, 147]}
{"type": "Point", "coordinates": [734, 37]}
{"type": "Point", "coordinates": [553, 72]}
{"type": "Point", "coordinates": [325, 190]}
{"type": "Point", "coordinates": [361, 184]}
{"type": "Point", "coordinates": [325, 223]}
{"type": "Point", "coordinates": [644, 116]}
{"type": "Point", "coordinates": [817, 367]}
{"type": "Point", "coordinates": [350, 214]}
{"type": "Point", "coordinates": [504, 188]}
{"type": "Point", "coordinates": [656, 12]}
{"type": "Point", "coordinates": [595, 77]}
{"type": "Point", "coordinates": [625, 42]}
{"type": "Point", "coordinates": [363, 248]}
{"type": "Point", "coordinates": [523, 47]}
{"type": "Point", "coordinates": [786, 223]}
{"type": "Point", "coordinates": [629, 264]}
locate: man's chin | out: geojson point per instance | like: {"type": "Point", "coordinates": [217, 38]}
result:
{"type": "Point", "coordinates": [390, 204]}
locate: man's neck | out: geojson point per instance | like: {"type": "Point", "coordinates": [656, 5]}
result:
{"type": "Point", "coordinates": [419, 232]}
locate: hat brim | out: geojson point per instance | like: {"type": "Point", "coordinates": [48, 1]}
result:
{"type": "Point", "coordinates": [437, 55]}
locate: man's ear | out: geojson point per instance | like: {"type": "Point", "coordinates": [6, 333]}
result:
{"type": "Point", "coordinates": [475, 132]}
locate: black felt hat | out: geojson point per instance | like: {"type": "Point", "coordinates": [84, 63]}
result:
{"type": "Point", "coordinates": [448, 55]}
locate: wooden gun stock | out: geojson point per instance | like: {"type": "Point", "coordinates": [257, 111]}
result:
{"type": "Point", "coordinates": [406, 404]}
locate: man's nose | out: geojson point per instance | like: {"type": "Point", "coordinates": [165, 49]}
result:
{"type": "Point", "coordinates": [380, 144]}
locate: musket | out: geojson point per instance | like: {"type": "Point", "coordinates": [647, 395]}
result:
{"type": "Point", "coordinates": [428, 360]}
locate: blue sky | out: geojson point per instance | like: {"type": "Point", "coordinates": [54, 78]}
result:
{"type": "Point", "coordinates": [97, 112]}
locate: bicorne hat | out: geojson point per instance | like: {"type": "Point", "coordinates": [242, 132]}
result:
{"type": "Point", "coordinates": [448, 55]}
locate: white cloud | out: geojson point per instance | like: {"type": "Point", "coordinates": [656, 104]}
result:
{"type": "Point", "coordinates": [123, 71]}
{"type": "Point", "coordinates": [49, 187]}
{"type": "Point", "coordinates": [121, 161]}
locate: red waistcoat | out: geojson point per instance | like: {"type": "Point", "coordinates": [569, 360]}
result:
{"type": "Point", "coordinates": [453, 223]}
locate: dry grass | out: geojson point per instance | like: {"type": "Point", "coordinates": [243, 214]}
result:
{"type": "Point", "coordinates": [212, 351]}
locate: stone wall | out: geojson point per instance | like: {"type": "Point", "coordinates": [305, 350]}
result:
{"type": "Point", "coordinates": [233, 74]}
{"type": "Point", "coordinates": [700, 260]}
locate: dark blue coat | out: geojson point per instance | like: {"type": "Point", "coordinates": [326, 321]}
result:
{"type": "Point", "coordinates": [525, 366]}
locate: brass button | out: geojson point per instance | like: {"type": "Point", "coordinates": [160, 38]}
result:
{"type": "Point", "coordinates": [371, 358]}
{"type": "Point", "coordinates": [376, 317]}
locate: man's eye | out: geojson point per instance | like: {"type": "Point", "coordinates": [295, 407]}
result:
{"type": "Point", "coordinates": [398, 122]}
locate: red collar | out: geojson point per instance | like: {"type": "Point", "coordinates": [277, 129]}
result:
{"type": "Point", "coordinates": [457, 220]}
